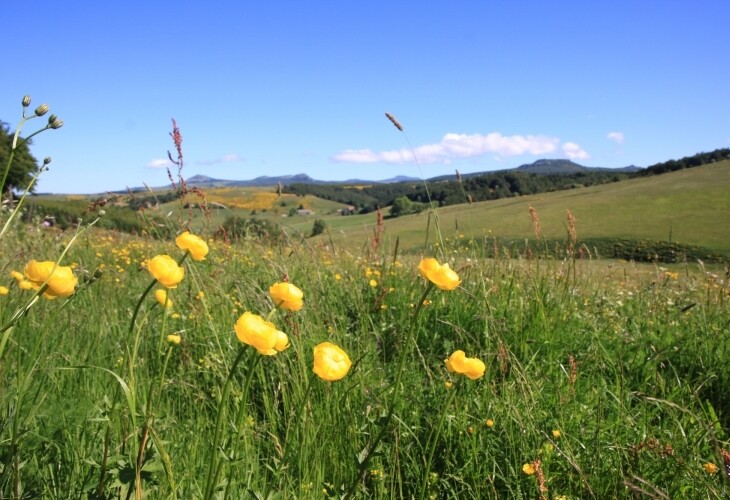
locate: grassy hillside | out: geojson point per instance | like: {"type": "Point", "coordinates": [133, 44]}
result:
{"type": "Point", "coordinates": [691, 204]}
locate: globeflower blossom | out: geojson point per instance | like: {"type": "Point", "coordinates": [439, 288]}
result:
{"type": "Point", "coordinates": [255, 331]}
{"type": "Point", "coordinates": [165, 270]}
{"type": "Point", "coordinates": [61, 281]}
{"type": "Point", "coordinates": [471, 367]}
{"type": "Point", "coordinates": [286, 296]}
{"type": "Point", "coordinates": [440, 275]}
{"type": "Point", "coordinates": [330, 362]}
{"type": "Point", "coordinates": [195, 245]}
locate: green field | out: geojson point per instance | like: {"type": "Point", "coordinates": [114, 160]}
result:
{"type": "Point", "coordinates": [602, 378]}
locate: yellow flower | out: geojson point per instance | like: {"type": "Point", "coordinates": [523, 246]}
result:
{"type": "Point", "coordinates": [17, 276]}
{"type": "Point", "coordinates": [173, 339]}
{"type": "Point", "coordinates": [440, 275]}
{"type": "Point", "coordinates": [255, 331]}
{"type": "Point", "coordinates": [25, 285]}
{"type": "Point", "coordinates": [161, 296]}
{"type": "Point", "coordinates": [4, 290]}
{"type": "Point", "coordinates": [197, 247]}
{"type": "Point", "coordinates": [710, 468]}
{"type": "Point", "coordinates": [61, 280]}
{"type": "Point", "coordinates": [556, 433]}
{"type": "Point", "coordinates": [373, 283]}
{"type": "Point", "coordinates": [448, 384]}
{"type": "Point", "coordinates": [528, 469]}
{"type": "Point", "coordinates": [286, 296]}
{"type": "Point", "coordinates": [165, 270]}
{"type": "Point", "coordinates": [489, 423]}
{"type": "Point", "coordinates": [330, 362]}
{"type": "Point", "coordinates": [471, 367]}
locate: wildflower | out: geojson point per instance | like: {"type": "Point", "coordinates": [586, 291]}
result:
{"type": "Point", "coordinates": [448, 384]}
{"type": "Point", "coordinates": [195, 245]}
{"type": "Point", "coordinates": [710, 468]}
{"type": "Point", "coordinates": [255, 331]}
{"type": "Point", "coordinates": [556, 433]}
{"type": "Point", "coordinates": [440, 275]}
{"type": "Point", "coordinates": [338, 276]}
{"type": "Point", "coordinates": [330, 362]}
{"type": "Point", "coordinates": [471, 367]}
{"type": "Point", "coordinates": [17, 276]}
{"type": "Point", "coordinates": [173, 339]}
{"type": "Point", "coordinates": [528, 469]}
{"type": "Point", "coordinates": [373, 283]}
{"type": "Point", "coordinates": [61, 280]}
{"type": "Point", "coordinates": [162, 298]}
{"type": "Point", "coordinates": [286, 296]}
{"type": "Point", "coordinates": [165, 270]}
{"type": "Point", "coordinates": [489, 423]}
{"type": "Point", "coordinates": [4, 290]}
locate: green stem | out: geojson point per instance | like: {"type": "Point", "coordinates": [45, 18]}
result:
{"type": "Point", "coordinates": [394, 396]}
{"type": "Point", "coordinates": [210, 483]}
{"type": "Point", "coordinates": [433, 439]}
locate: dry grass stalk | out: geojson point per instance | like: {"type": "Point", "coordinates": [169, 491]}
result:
{"type": "Point", "coordinates": [573, 372]}
{"type": "Point", "coordinates": [536, 223]}
{"type": "Point", "coordinates": [394, 121]}
{"type": "Point", "coordinates": [541, 483]}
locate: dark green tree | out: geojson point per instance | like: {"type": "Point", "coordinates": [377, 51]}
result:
{"type": "Point", "coordinates": [318, 227]}
{"type": "Point", "coordinates": [24, 165]}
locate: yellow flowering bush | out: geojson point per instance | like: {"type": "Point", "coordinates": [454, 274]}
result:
{"type": "Point", "coordinates": [471, 367]}
{"type": "Point", "coordinates": [195, 245]}
{"type": "Point", "coordinates": [61, 280]}
{"type": "Point", "coordinates": [286, 296]}
{"type": "Point", "coordinates": [330, 362]}
{"type": "Point", "coordinates": [255, 331]}
{"type": "Point", "coordinates": [440, 275]}
{"type": "Point", "coordinates": [165, 270]}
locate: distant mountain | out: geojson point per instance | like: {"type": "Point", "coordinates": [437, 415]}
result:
{"type": "Point", "coordinates": [204, 181]}
{"type": "Point", "coordinates": [567, 167]}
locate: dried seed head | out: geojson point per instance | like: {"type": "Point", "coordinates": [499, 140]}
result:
{"type": "Point", "coordinates": [26, 101]}
{"type": "Point", "coordinates": [394, 121]}
{"type": "Point", "coordinates": [41, 110]}
{"type": "Point", "coordinates": [46, 160]}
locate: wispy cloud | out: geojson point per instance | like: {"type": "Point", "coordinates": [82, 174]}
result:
{"type": "Point", "coordinates": [457, 146]}
{"type": "Point", "coordinates": [229, 158]}
{"type": "Point", "coordinates": [617, 137]}
{"type": "Point", "coordinates": [159, 163]}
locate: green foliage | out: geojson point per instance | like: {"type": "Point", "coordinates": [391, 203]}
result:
{"type": "Point", "coordinates": [318, 227]}
{"type": "Point", "coordinates": [404, 206]}
{"type": "Point", "coordinates": [237, 228]}
{"type": "Point", "coordinates": [24, 165]}
{"type": "Point", "coordinates": [696, 160]}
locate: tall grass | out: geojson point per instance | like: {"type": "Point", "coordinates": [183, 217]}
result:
{"type": "Point", "coordinates": [602, 379]}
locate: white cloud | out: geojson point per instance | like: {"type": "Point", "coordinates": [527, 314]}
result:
{"type": "Point", "coordinates": [160, 163]}
{"type": "Point", "coordinates": [617, 137]}
{"type": "Point", "coordinates": [229, 158]}
{"type": "Point", "coordinates": [573, 151]}
{"type": "Point", "coordinates": [455, 146]}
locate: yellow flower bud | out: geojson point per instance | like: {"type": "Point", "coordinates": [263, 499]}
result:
{"type": "Point", "coordinates": [197, 246]}
{"type": "Point", "coordinates": [173, 339]}
{"type": "Point", "coordinates": [4, 290]}
{"type": "Point", "coordinates": [330, 362]}
{"type": "Point", "coordinates": [286, 296]}
{"type": "Point", "coordinates": [162, 298]}
{"type": "Point", "coordinates": [528, 469]}
{"type": "Point", "coordinates": [255, 331]}
{"type": "Point", "coordinates": [165, 270]}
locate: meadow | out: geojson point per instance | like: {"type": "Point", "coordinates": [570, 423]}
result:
{"type": "Point", "coordinates": [343, 366]}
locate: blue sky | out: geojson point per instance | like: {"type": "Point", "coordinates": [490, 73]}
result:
{"type": "Point", "coordinates": [287, 87]}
